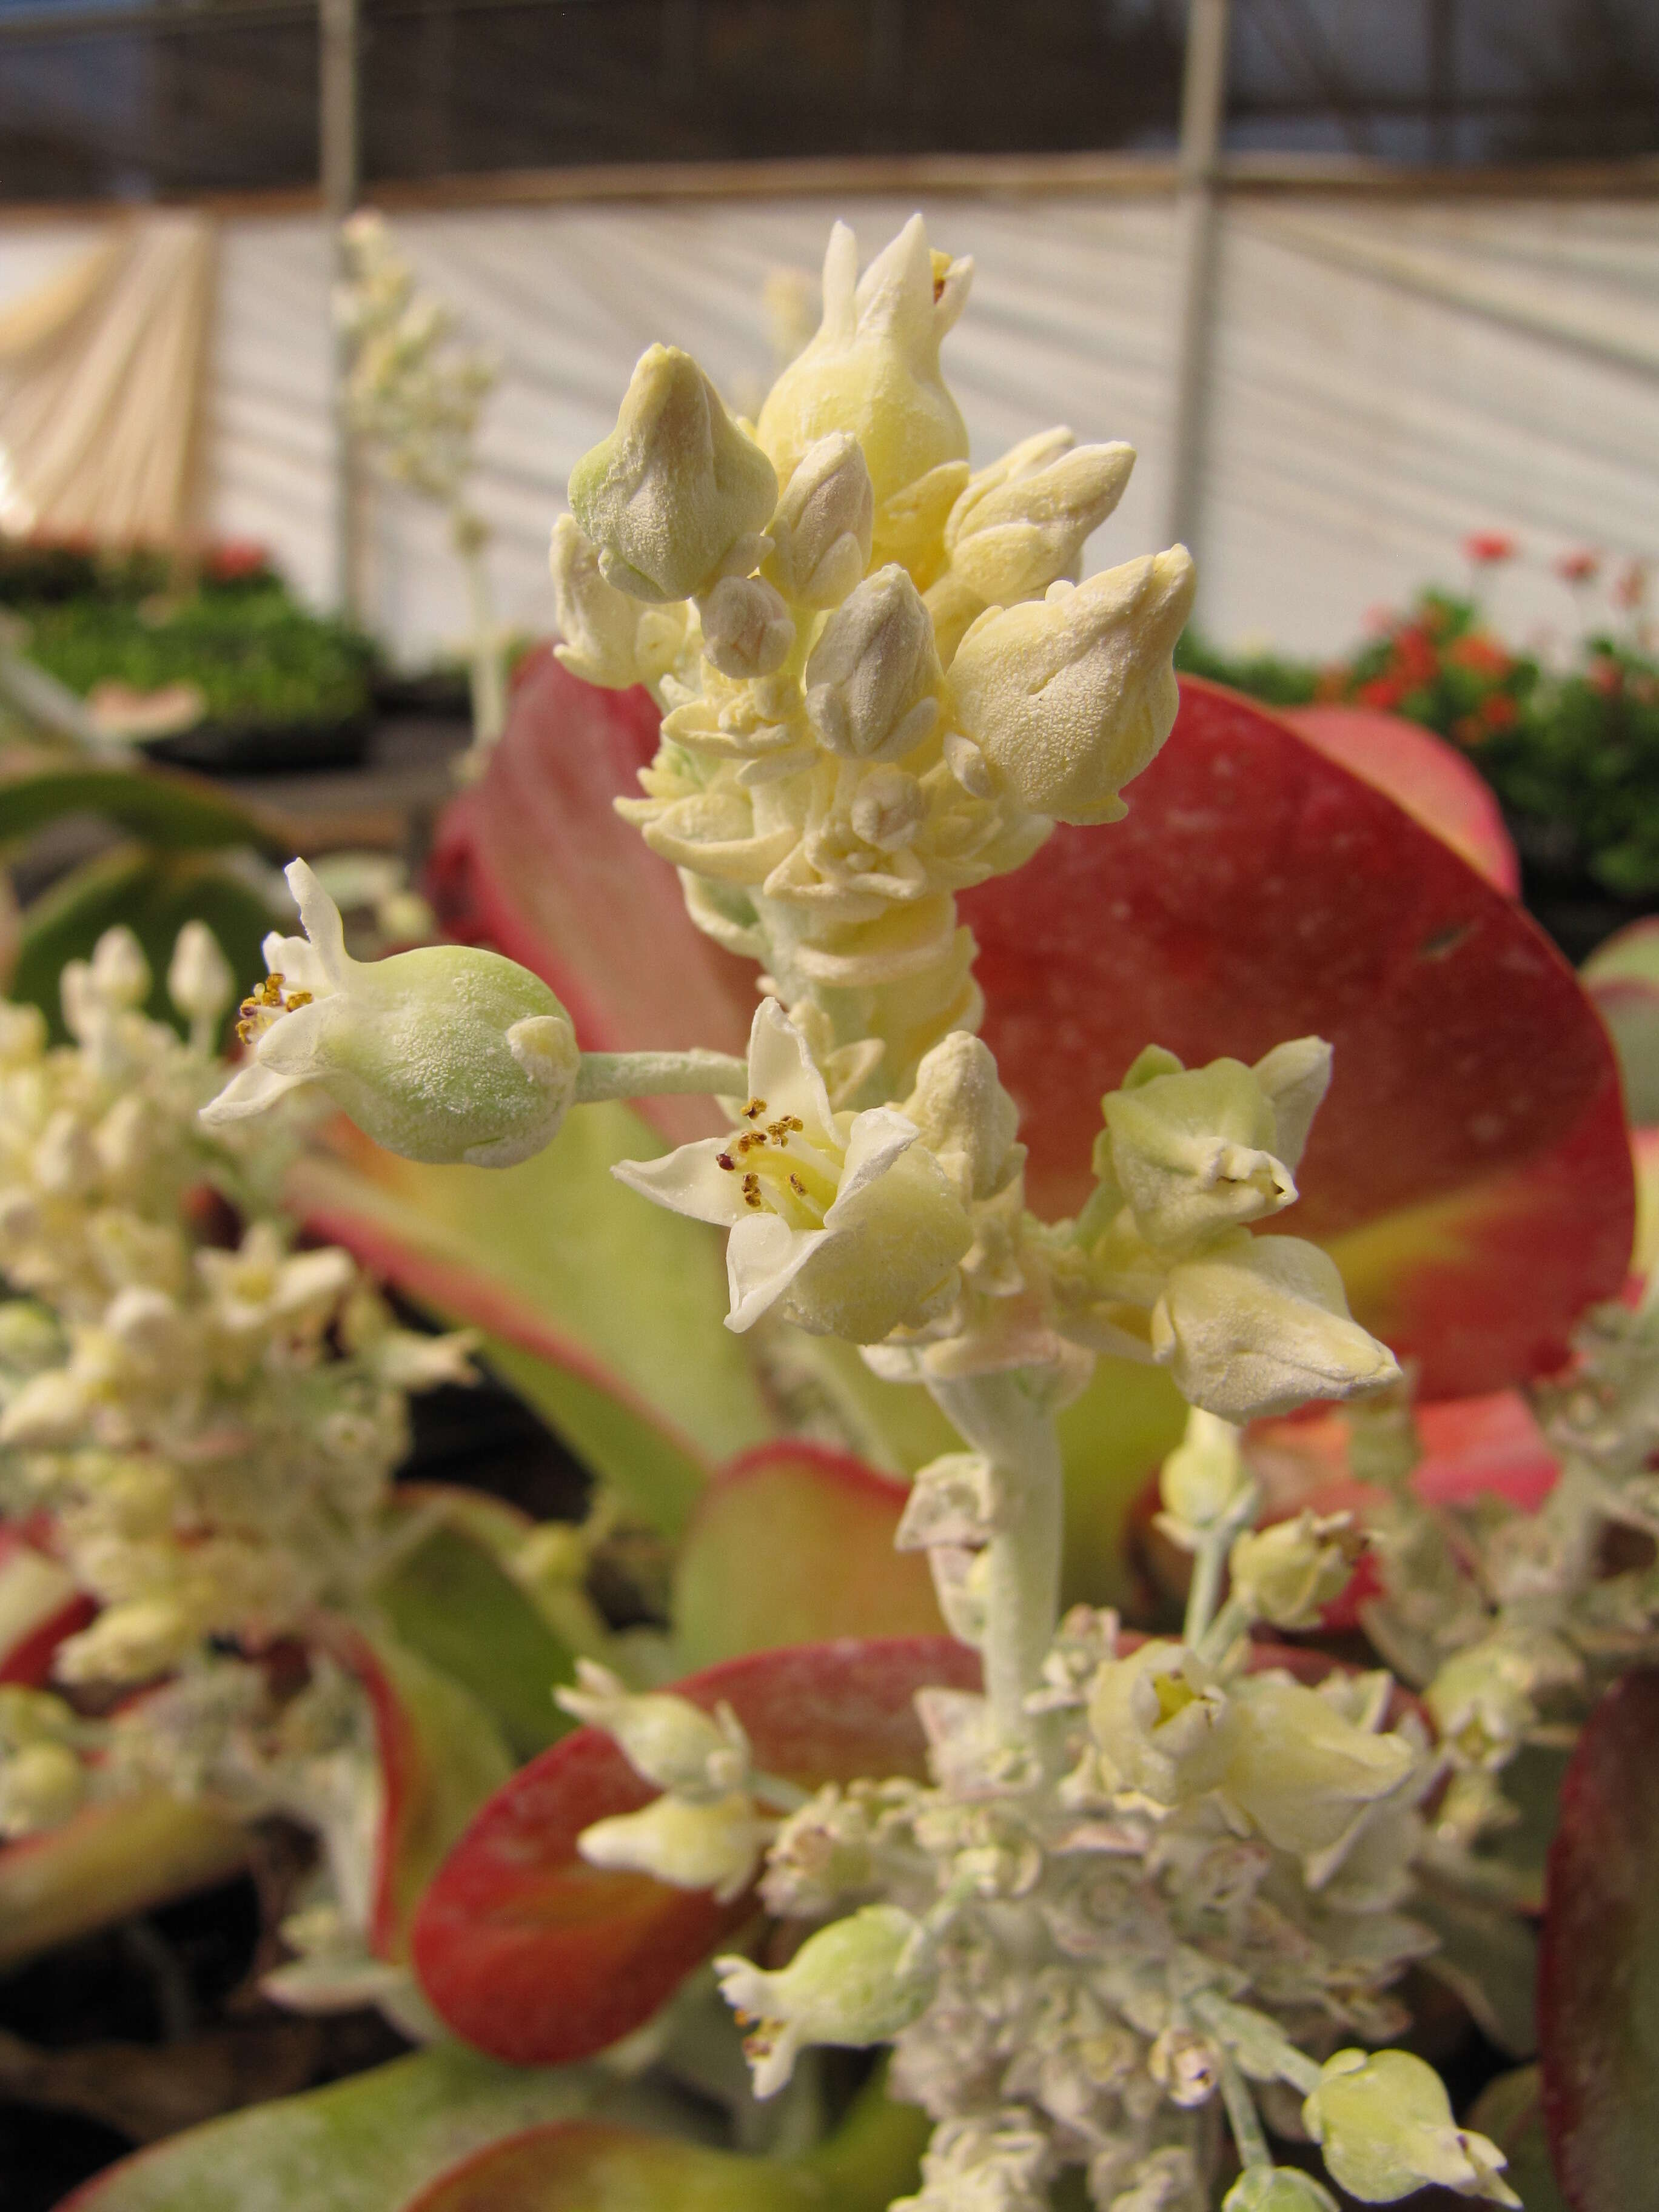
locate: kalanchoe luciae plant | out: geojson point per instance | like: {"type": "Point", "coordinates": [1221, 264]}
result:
{"type": "Point", "coordinates": [1141, 1879]}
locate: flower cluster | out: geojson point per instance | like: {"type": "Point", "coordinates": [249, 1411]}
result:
{"type": "Point", "coordinates": [209, 1418]}
{"type": "Point", "coordinates": [414, 392]}
{"type": "Point", "coordinates": [1187, 1893]}
{"type": "Point", "coordinates": [1514, 1622]}
{"type": "Point", "coordinates": [881, 683]}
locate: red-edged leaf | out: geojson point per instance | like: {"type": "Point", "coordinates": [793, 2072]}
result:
{"type": "Point", "coordinates": [113, 1859]}
{"type": "Point", "coordinates": [441, 1756]}
{"type": "Point", "coordinates": [534, 860]}
{"type": "Point", "coordinates": [793, 1544]}
{"type": "Point", "coordinates": [605, 1314]}
{"type": "Point", "coordinates": [592, 2165]}
{"type": "Point", "coordinates": [537, 1957]}
{"type": "Point", "coordinates": [1437, 785]}
{"type": "Point", "coordinates": [40, 1606]}
{"type": "Point", "coordinates": [1599, 1972]}
{"type": "Point", "coordinates": [362, 2145]}
{"type": "Point", "coordinates": [1469, 1170]}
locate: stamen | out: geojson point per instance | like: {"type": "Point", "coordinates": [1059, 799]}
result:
{"type": "Point", "coordinates": [725, 1160]}
{"type": "Point", "coordinates": [754, 1109]}
{"type": "Point", "coordinates": [798, 1186]}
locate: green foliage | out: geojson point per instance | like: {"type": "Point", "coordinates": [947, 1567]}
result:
{"type": "Point", "coordinates": [1575, 750]}
{"type": "Point", "coordinates": [257, 656]}
{"type": "Point", "coordinates": [154, 893]}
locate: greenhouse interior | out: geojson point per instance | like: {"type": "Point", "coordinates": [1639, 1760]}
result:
{"type": "Point", "coordinates": [730, 733]}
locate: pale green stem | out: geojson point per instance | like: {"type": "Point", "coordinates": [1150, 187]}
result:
{"type": "Point", "coordinates": [488, 677]}
{"type": "Point", "coordinates": [1243, 2117]}
{"type": "Point", "coordinates": [1005, 1418]}
{"type": "Point", "coordinates": [1208, 1559]}
{"type": "Point", "coordinates": [1232, 1621]}
{"type": "Point", "coordinates": [652, 1074]}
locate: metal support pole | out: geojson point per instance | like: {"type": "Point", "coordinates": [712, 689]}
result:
{"type": "Point", "coordinates": [1203, 110]}
{"type": "Point", "coordinates": [341, 176]}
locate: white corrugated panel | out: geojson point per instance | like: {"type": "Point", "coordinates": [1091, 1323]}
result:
{"type": "Point", "coordinates": [1388, 377]}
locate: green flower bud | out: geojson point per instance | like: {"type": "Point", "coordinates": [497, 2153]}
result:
{"type": "Point", "coordinates": [1289, 1573]}
{"type": "Point", "coordinates": [747, 631]}
{"type": "Point", "coordinates": [610, 639]}
{"type": "Point", "coordinates": [1069, 698]}
{"type": "Point", "coordinates": [689, 1845]}
{"type": "Point", "coordinates": [1384, 2122]}
{"type": "Point", "coordinates": [1192, 1149]}
{"type": "Point", "coordinates": [444, 1053]}
{"type": "Point", "coordinates": [1301, 1771]}
{"type": "Point", "coordinates": [676, 492]}
{"type": "Point", "coordinates": [1204, 1482]}
{"type": "Point", "coordinates": [859, 1981]}
{"type": "Point", "coordinates": [667, 1740]}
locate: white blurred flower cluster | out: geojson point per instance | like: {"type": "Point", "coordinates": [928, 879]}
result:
{"type": "Point", "coordinates": [415, 392]}
{"type": "Point", "coordinates": [207, 1418]}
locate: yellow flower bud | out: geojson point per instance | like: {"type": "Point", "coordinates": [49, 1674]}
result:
{"type": "Point", "coordinates": [689, 1844]}
{"type": "Point", "coordinates": [1302, 1772]}
{"type": "Point", "coordinates": [1259, 1326]}
{"type": "Point", "coordinates": [677, 491]}
{"type": "Point", "coordinates": [1070, 697]}
{"type": "Point", "coordinates": [872, 369]}
{"type": "Point", "coordinates": [821, 533]}
{"type": "Point", "coordinates": [873, 675]}
{"type": "Point", "coordinates": [1161, 1724]}
{"type": "Point", "coordinates": [1022, 523]}
{"type": "Point", "coordinates": [1205, 1481]}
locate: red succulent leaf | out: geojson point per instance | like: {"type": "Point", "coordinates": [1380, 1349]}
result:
{"type": "Point", "coordinates": [1432, 780]}
{"type": "Point", "coordinates": [1599, 1967]}
{"type": "Point", "coordinates": [537, 1957]}
{"type": "Point", "coordinates": [594, 2165]}
{"type": "Point", "coordinates": [824, 1524]}
{"type": "Point", "coordinates": [1469, 1171]}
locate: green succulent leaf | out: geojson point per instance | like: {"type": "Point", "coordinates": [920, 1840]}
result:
{"type": "Point", "coordinates": [362, 2145]}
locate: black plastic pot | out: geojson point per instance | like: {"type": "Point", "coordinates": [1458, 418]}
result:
{"type": "Point", "coordinates": [265, 748]}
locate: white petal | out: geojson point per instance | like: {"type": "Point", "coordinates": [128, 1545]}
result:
{"type": "Point", "coordinates": [763, 1255]}
{"type": "Point", "coordinates": [781, 1072]}
{"type": "Point", "coordinates": [320, 919]}
{"type": "Point", "coordinates": [299, 966]}
{"type": "Point", "coordinates": [292, 1046]}
{"type": "Point", "coordinates": [874, 1142]}
{"type": "Point", "coordinates": [691, 1181]}
{"type": "Point", "coordinates": [249, 1091]}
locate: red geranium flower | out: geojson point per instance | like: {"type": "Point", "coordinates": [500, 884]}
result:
{"type": "Point", "coordinates": [1385, 691]}
{"type": "Point", "coordinates": [1581, 567]}
{"type": "Point", "coordinates": [1480, 652]}
{"type": "Point", "coordinates": [1486, 547]}
{"type": "Point", "coordinates": [1498, 711]}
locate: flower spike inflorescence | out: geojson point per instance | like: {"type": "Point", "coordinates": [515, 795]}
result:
{"type": "Point", "coordinates": [1146, 1875]}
